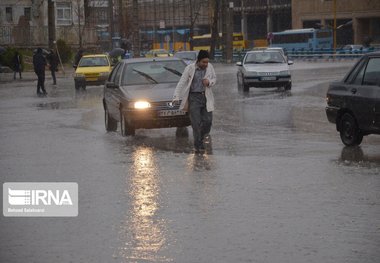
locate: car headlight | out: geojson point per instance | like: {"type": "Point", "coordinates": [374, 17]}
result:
{"type": "Point", "coordinates": [141, 105]}
{"type": "Point", "coordinates": [285, 72]}
{"type": "Point", "coordinates": [105, 74]}
{"type": "Point", "coordinates": [251, 73]}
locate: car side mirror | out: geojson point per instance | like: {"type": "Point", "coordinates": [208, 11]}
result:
{"type": "Point", "coordinates": [111, 85]}
{"type": "Point", "coordinates": [290, 62]}
{"type": "Point", "coordinates": [239, 63]}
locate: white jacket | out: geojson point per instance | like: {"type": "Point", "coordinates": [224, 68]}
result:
{"type": "Point", "coordinates": [183, 87]}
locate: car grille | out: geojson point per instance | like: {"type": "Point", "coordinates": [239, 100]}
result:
{"type": "Point", "coordinates": [92, 75]}
{"type": "Point", "coordinates": [268, 73]}
{"type": "Point", "coordinates": [163, 105]}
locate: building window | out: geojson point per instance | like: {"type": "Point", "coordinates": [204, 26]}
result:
{"type": "Point", "coordinates": [102, 16]}
{"type": "Point", "coordinates": [8, 14]}
{"type": "Point", "coordinates": [27, 13]}
{"type": "Point", "coordinates": [64, 14]}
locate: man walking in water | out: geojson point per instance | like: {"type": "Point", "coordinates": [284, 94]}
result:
{"type": "Point", "coordinates": [195, 91]}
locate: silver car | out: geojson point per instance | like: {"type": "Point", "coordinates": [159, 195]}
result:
{"type": "Point", "coordinates": [264, 69]}
{"type": "Point", "coordinates": [187, 56]}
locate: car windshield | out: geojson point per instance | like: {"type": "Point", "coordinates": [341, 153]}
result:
{"type": "Point", "coordinates": [152, 72]}
{"type": "Point", "coordinates": [93, 62]}
{"type": "Point", "coordinates": [186, 55]}
{"type": "Point", "coordinates": [264, 57]}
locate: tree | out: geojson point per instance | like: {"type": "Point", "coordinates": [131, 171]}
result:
{"type": "Point", "coordinates": [214, 27]}
{"type": "Point", "coordinates": [78, 11]}
{"type": "Point", "coordinates": [195, 7]}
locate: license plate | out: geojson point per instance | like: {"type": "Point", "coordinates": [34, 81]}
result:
{"type": "Point", "coordinates": [268, 78]}
{"type": "Point", "coordinates": [165, 113]}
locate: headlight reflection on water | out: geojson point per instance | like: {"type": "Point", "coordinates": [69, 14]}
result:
{"type": "Point", "coordinates": [144, 230]}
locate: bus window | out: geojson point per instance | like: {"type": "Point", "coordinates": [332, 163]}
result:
{"type": "Point", "coordinates": [302, 39]}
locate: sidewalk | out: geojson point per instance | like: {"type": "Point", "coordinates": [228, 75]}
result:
{"type": "Point", "coordinates": [31, 76]}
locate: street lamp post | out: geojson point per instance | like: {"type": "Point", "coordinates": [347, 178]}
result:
{"type": "Point", "coordinates": [334, 29]}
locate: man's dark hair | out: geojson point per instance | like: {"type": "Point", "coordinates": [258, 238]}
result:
{"type": "Point", "coordinates": [202, 54]}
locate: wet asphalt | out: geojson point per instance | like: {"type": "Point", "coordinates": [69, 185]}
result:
{"type": "Point", "coordinates": [276, 185]}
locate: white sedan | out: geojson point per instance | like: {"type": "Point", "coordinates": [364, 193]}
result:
{"type": "Point", "coordinates": [264, 69]}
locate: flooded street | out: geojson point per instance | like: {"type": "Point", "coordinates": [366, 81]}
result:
{"type": "Point", "coordinates": [277, 184]}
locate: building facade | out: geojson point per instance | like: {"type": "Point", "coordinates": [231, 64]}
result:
{"type": "Point", "coordinates": [357, 21]}
{"type": "Point", "coordinates": [24, 23]}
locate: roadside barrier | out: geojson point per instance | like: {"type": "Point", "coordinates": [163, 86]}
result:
{"type": "Point", "coordinates": [320, 55]}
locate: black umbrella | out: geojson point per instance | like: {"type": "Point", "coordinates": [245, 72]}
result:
{"type": "Point", "coordinates": [117, 52]}
{"type": "Point", "coordinates": [44, 51]}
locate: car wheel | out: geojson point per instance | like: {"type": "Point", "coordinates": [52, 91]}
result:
{"type": "Point", "coordinates": [245, 87]}
{"type": "Point", "coordinates": [77, 86]}
{"type": "Point", "coordinates": [288, 86]}
{"type": "Point", "coordinates": [110, 123]}
{"type": "Point", "coordinates": [182, 132]}
{"type": "Point", "coordinates": [349, 131]}
{"type": "Point", "coordinates": [239, 82]}
{"type": "Point", "coordinates": [125, 129]}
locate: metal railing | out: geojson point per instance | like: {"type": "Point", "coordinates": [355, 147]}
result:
{"type": "Point", "coordinates": [327, 54]}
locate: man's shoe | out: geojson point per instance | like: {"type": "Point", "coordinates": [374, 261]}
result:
{"type": "Point", "coordinates": [207, 139]}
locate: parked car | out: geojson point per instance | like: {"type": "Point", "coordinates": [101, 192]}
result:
{"type": "Point", "coordinates": [187, 56]}
{"type": "Point", "coordinates": [353, 103]}
{"type": "Point", "coordinates": [162, 53]}
{"type": "Point", "coordinates": [138, 94]}
{"type": "Point", "coordinates": [353, 48]}
{"type": "Point", "coordinates": [263, 69]}
{"type": "Point", "coordinates": [282, 50]}
{"type": "Point", "coordinates": [92, 70]}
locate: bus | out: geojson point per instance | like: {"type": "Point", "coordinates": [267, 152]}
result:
{"type": "Point", "coordinates": [204, 42]}
{"type": "Point", "coordinates": [303, 39]}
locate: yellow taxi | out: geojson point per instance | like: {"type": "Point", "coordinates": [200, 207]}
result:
{"type": "Point", "coordinates": [92, 70]}
{"type": "Point", "coordinates": [162, 53]}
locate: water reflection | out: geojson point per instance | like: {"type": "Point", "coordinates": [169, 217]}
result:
{"type": "Point", "coordinates": [144, 230]}
{"type": "Point", "coordinates": [199, 162]}
{"type": "Point", "coordinates": [271, 93]}
{"type": "Point", "coordinates": [55, 105]}
{"type": "Point", "coordinates": [356, 156]}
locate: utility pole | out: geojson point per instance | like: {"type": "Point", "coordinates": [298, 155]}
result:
{"type": "Point", "coordinates": [191, 25]}
{"type": "Point", "coordinates": [244, 20]}
{"type": "Point", "coordinates": [334, 10]}
{"type": "Point", "coordinates": [227, 14]}
{"type": "Point", "coordinates": [269, 16]}
{"type": "Point", "coordinates": [79, 24]}
{"type": "Point", "coordinates": [230, 29]}
{"type": "Point", "coordinates": [111, 25]}
{"type": "Point", "coordinates": [51, 24]}
{"type": "Point", "coordinates": [224, 28]}
{"type": "Point", "coordinates": [136, 33]}
{"type": "Point", "coordinates": [121, 20]}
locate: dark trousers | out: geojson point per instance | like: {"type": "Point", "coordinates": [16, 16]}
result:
{"type": "Point", "coordinates": [201, 120]}
{"type": "Point", "coordinates": [19, 72]}
{"type": "Point", "coordinates": [41, 82]}
{"type": "Point", "coordinates": [53, 76]}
